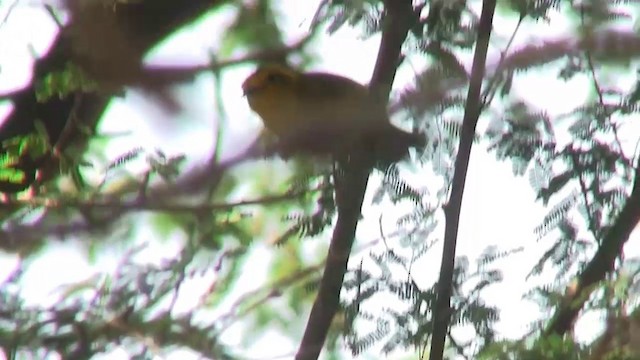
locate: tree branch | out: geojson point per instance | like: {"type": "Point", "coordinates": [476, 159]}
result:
{"type": "Point", "coordinates": [149, 21]}
{"type": "Point", "coordinates": [601, 264]}
{"type": "Point", "coordinates": [122, 206]}
{"type": "Point", "coordinates": [350, 193]}
{"type": "Point", "coordinates": [442, 311]}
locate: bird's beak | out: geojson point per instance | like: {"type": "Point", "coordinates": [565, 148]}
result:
{"type": "Point", "coordinates": [248, 90]}
{"type": "Point", "coordinates": [249, 86]}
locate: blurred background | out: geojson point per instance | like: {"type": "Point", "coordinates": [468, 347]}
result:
{"type": "Point", "coordinates": [123, 236]}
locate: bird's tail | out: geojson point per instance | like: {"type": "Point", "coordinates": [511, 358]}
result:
{"type": "Point", "coordinates": [391, 145]}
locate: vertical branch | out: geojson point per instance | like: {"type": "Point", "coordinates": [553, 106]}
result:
{"type": "Point", "coordinates": [351, 189]}
{"type": "Point", "coordinates": [442, 311]}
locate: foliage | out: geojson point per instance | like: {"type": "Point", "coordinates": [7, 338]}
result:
{"type": "Point", "coordinates": [551, 348]}
{"type": "Point", "coordinates": [31, 146]}
{"type": "Point", "coordinates": [107, 310]}
{"type": "Point", "coordinates": [63, 83]}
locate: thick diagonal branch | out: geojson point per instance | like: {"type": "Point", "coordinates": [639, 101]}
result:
{"type": "Point", "coordinates": [602, 263]}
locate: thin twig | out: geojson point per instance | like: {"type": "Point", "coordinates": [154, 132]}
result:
{"type": "Point", "coordinates": [9, 11]}
{"type": "Point", "coordinates": [487, 95]}
{"type": "Point", "coordinates": [150, 205]}
{"type": "Point", "coordinates": [583, 189]}
{"type": "Point", "coordinates": [600, 93]}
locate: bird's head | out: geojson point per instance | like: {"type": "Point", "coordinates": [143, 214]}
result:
{"type": "Point", "coordinates": [270, 79]}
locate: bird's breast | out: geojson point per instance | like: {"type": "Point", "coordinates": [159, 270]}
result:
{"type": "Point", "coordinates": [277, 114]}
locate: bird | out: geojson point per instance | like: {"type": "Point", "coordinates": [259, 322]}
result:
{"type": "Point", "coordinates": [320, 113]}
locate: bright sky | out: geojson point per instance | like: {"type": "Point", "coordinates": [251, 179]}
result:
{"type": "Point", "coordinates": [498, 208]}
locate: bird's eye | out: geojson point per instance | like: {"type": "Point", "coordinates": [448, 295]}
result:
{"type": "Point", "coordinates": [275, 78]}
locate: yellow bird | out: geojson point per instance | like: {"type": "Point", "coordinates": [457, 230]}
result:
{"type": "Point", "coordinates": [321, 113]}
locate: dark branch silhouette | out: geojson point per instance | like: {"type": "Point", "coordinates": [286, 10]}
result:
{"type": "Point", "coordinates": [602, 263]}
{"type": "Point", "coordinates": [350, 191]}
{"type": "Point", "coordinates": [473, 106]}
